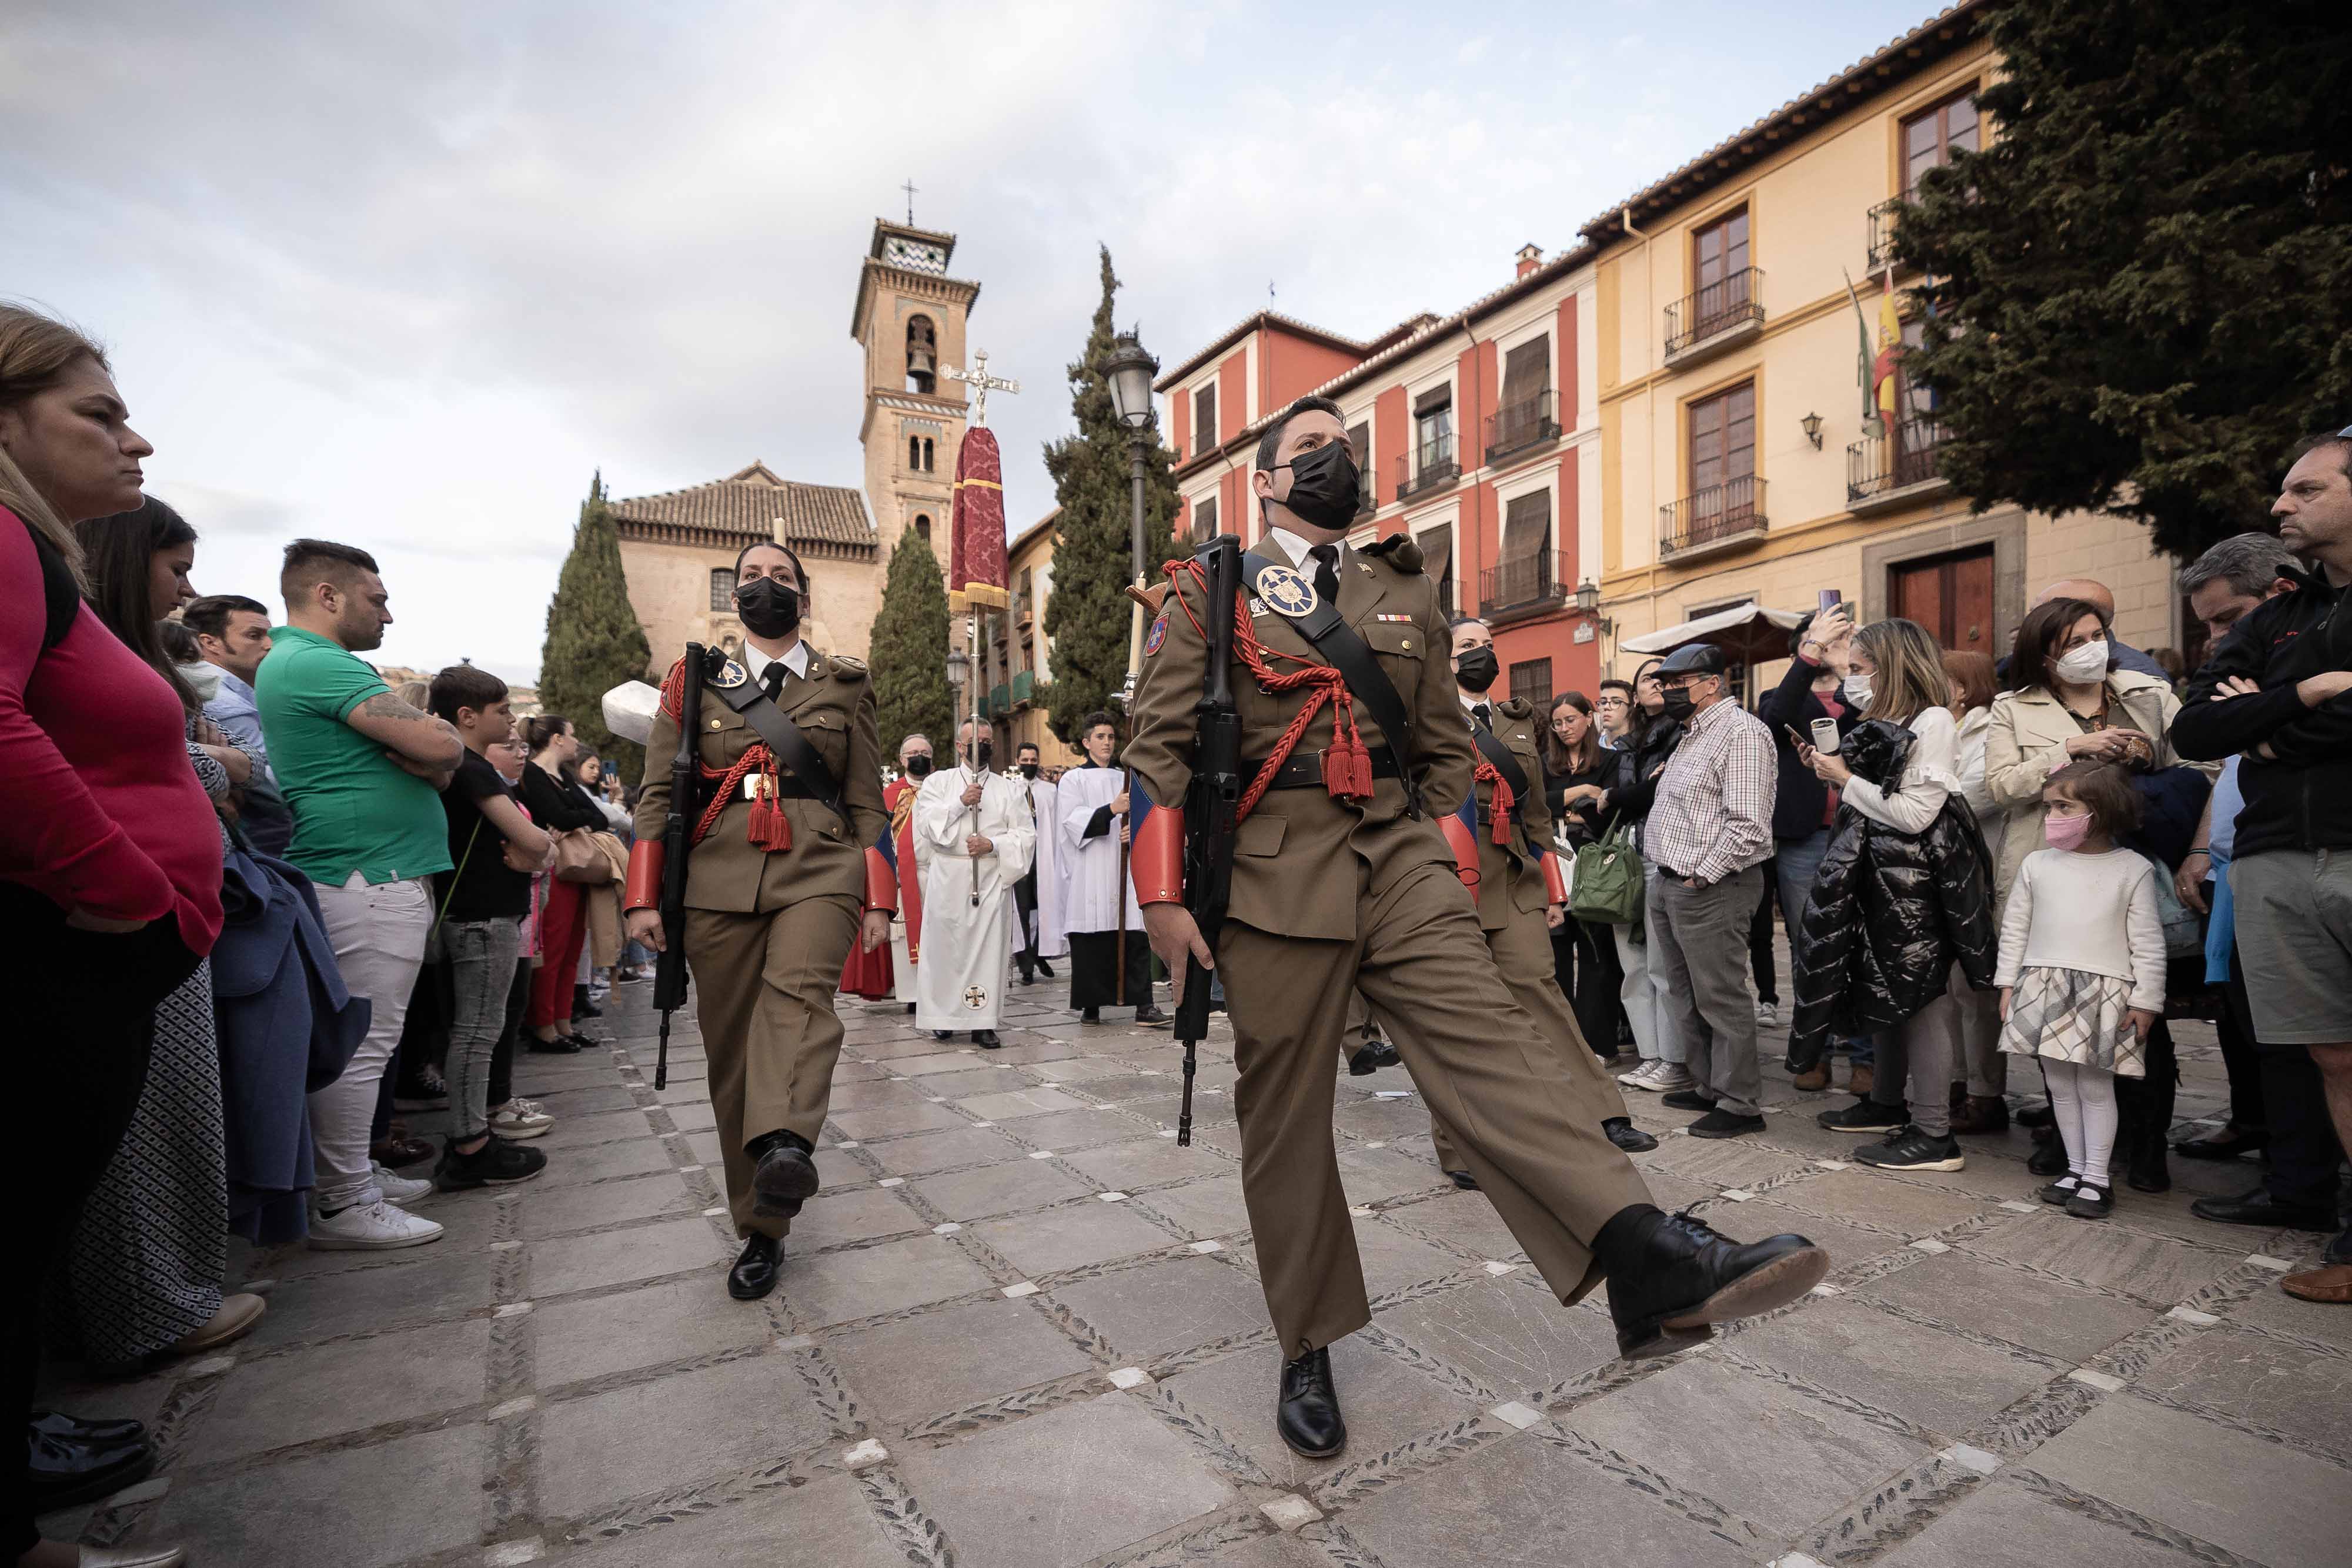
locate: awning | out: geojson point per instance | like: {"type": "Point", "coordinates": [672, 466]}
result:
{"type": "Point", "coordinates": [1747, 634]}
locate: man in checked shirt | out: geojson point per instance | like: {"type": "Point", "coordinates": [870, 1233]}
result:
{"type": "Point", "coordinates": [1708, 833]}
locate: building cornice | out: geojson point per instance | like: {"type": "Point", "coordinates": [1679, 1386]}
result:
{"type": "Point", "coordinates": [914, 284]}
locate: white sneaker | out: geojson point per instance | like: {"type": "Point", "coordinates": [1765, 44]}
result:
{"type": "Point", "coordinates": [393, 1188]}
{"type": "Point", "coordinates": [1640, 1077]}
{"type": "Point", "coordinates": [370, 1228]}
{"type": "Point", "coordinates": [1767, 1015]}
{"type": "Point", "coordinates": [520, 1119]}
{"type": "Point", "coordinates": [1670, 1076]}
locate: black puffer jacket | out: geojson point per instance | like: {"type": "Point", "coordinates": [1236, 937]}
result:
{"type": "Point", "coordinates": [1890, 911]}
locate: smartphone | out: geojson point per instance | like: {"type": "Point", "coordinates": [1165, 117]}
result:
{"type": "Point", "coordinates": [1828, 598]}
{"type": "Point", "coordinates": [1794, 739]}
{"type": "Point", "coordinates": [1825, 734]}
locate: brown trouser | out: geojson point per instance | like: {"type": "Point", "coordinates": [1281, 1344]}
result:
{"type": "Point", "coordinates": [765, 985]}
{"type": "Point", "coordinates": [1529, 1129]}
{"type": "Point", "coordinates": [1523, 954]}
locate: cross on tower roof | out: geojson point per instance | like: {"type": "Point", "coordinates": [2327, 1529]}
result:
{"type": "Point", "coordinates": [982, 383]}
{"type": "Point", "coordinates": [910, 188]}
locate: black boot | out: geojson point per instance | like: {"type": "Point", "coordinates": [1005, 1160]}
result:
{"type": "Point", "coordinates": [65, 1469]}
{"type": "Point", "coordinates": [2049, 1156]}
{"type": "Point", "coordinates": [1374, 1056]}
{"type": "Point", "coordinates": [784, 1176]}
{"type": "Point", "coordinates": [582, 1007]}
{"type": "Point", "coordinates": [1627, 1136]}
{"type": "Point", "coordinates": [1307, 1413]}
{"type": "Point", "coordinates": [1463, 1180]}
{"type": "Point", "coordinates": [2141, 1130]}
{"type": "Point", "coordinates": [986, 1040]}
{"type": "Point", "coordinates": [1150, 1013]}
{"type": "Point", "coordinates": [755, 1270]}
{"type": "Point", "coordinates": [1671, 1277]}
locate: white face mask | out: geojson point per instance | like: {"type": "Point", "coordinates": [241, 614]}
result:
{"type": "Point", "coordinates": [1857, 690]}
{"type": "Point", "coordinates": [2084, 664]}
{"type": "Point", "coordinates": [204, 676]}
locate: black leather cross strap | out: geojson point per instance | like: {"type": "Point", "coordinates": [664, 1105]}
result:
{"type": "Point", "coordinates": [786, 742]}
{"type": "Point", "coordinates": [1351, 655]}
{"type": "Point", "coordinates": [1491, 748]}
{"type": "Point", "coordinates": [1303, 768]}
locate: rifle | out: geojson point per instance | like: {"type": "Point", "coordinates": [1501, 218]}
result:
{"type": "Point", "coordinates": [1211, 800]}
{"type": "Point", "coordinates": [678, 826]}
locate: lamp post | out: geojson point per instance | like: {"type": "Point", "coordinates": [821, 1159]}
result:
{"type": "Point", "coordinates": [1129, 370]}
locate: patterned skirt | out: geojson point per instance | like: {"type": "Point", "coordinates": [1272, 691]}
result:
{"type": "Point", "coordinates": [2066, 1015]}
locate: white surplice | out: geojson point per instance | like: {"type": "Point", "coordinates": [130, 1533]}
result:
{"type": "Point", "coordinates": [1095, 885]}
{"type": "Point", "coordinates": [1053, 934]}
{"type": "Point", "coordinates": [966, 947]}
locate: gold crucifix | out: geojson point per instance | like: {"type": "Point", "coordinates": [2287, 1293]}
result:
{"type": "Point", "coordinates": [982, 383]}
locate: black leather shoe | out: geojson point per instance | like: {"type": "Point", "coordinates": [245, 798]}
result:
{"type": "Point", "coordinates": [986, 1040]}
{"type": "Point", "coordinates": [65, 1471]}
{"type": "Point", "coordinates": [1045, 968]}
{"type": "Point", "coordinates": [57, 1424]}
{"type": "Point", "coordinates": [756, 1268]}
{"type": "Point", "coordinates": [1687, 1100]}
{"type": "Point", "coordinates": [1463, 1180]}
{"type": "Point", "coordinates": [1090, 1015]}
{"type": "Point", "coordinates": [942, 1034]}
{"type": "Point", "coordinates": [2049, 1156]}
{"type": "Point", "coordinates": [1307, 1415]}
{"type": "Point", "coordinates": [2226, 1145]}
{"type": "Point", "coordinates": [561, 1045]}
{"type": "Point", "coordinates": [2148, 1171]}
{"type": "Point", "coordinates": [1627, 1136]}
{"type": "Point", "coordinates": [785, 1175]}
{"type": "Point", "coordinates": [1379, 1053]}
{"type": "Point", "coordinates": [2037, 1116]}
{"type": "Point", "coordinates": [2257, 1207]}
{"type": "Point", "coordinates": [1028, 976]}
{"type": "Point", "coordinates": [1149, 1014]}
{"type": "Point", "coordinates": [1671, 1277]}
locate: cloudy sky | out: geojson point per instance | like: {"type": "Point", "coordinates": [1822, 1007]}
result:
{"type": "Point", "coordinates": [405, 275]}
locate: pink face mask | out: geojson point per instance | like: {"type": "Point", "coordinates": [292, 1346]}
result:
{"type": "Point", "coordinates": [2066, 833]}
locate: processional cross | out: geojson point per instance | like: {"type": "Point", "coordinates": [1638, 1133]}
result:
{"type": "Point", "coordinates": [983, 383]}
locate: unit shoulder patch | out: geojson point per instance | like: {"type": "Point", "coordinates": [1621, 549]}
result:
{"type": "Point", "coordinates": [1157, 636]}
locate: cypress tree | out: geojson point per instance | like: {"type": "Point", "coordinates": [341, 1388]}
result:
{"type": "Point", "coordinates": [1087, 617]}
{"type": "Point", "coordinates": [2142, 285]}
{"type": "Point", "coordinates": [910, 649]}
{"type": "Point", "coordinates": [595, 641]}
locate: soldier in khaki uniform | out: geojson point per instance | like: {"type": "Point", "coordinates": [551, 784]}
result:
{"type": "Point", "coordinates": [1522, 893]}
{"type": "Point", "coordinates": [770, 911]}
{"type": "Point", "coordinates": [1329, 893]}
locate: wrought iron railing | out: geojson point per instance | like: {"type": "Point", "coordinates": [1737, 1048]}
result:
{"type": "Point", "coordinates": [1525, 583]}
{"type": "Point", "coordinates": [1881, 221]}
{"type": "Point", "coordinates": [1733, 301]}
{"type": "Point", "coordinates": [1519, 425]}
{"type": "Point", "coordinates": [1428, 467]}
{"type": "Point", "coordinates": [1721, 512]}
{"type": "Point", "coordinates": [1904, 456]}
{"type": "Point", "coordinates": [1367, 494]}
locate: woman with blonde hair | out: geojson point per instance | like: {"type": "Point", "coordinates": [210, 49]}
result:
{"type": "Point", "coordinates": [1901, 912]}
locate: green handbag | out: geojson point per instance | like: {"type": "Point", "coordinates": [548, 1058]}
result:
{"type": "Point", "coordinates": [1608, 885]}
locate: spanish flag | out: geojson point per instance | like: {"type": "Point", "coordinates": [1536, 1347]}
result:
{"type": "Point", "coordinates": [1890, 349]}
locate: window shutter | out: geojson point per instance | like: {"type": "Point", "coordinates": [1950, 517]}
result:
{"type": "Point", "coordinates": [1527, 372]}
{"type": "Point", "coordinates": [1527, 526]}
{"type": "Point", "coordinates": [1432, 400]}
{"type": "Point", "coordinates": [1204, 419]}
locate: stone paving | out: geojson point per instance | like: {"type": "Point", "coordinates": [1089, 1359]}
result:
{"type": "Point", "coordinates": [1020, 1327]}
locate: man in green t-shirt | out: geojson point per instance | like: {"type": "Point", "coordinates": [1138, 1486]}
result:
{"type": "Point", "coordinates": [363, 771]}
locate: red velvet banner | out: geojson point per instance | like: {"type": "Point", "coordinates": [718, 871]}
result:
{"type": "Point", "coordinates": [976, 570]}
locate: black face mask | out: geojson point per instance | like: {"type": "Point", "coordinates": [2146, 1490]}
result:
{"type": "Point", "coordinates": [1028, 770]}
{"type": "Point", "coordinates": [1476, 668]}
{"type": "Point", "coordinates": [982, 754]}
{"type": "Point", "coordinates": [918, 765]}
{"type": "Point", "coordinates": [1323, 487]}
{"type": "Point", "coordinates": [769, 609]}
{"type": "Point", "coordinates": [1679, 706]}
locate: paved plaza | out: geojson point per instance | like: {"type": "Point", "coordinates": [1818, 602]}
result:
{"type": "Point", "coordinates": [1020, 1328]}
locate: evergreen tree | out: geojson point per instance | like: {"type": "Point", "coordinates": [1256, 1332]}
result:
{"type": "Point", "coordinates": [910, 649]}
{"type": "Point", "coordinates": [595, 641]}
{"type": "Point", "coordinates": [2142, 286]}
{"type": "Point", "coordinates": [1087, 617]}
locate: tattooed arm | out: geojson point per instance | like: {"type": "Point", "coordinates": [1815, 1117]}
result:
{"type": "Point", "coordinates": [423, 745]}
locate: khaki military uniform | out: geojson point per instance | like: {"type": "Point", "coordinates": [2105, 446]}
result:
{"type": "Point", "coordinates": [1329, 896]}
{"type": "Point", "coordinates": [1511, 903]}
{"type": "Point", "coordinates": [767, 932]}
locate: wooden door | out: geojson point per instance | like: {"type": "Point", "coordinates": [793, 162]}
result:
{"type": "Point", "coordinates": [1951, 596]}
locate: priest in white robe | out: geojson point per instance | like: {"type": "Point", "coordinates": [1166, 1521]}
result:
{"type": "Point", "coordinates": [1040, 937]}
{"type": "Point", "coordinates": [974, 841]}
{"type": "Point", "coordinates": [1097, 808]}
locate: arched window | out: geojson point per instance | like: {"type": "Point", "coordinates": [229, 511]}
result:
{"type": "Point", "coordinates": [923, 528]}
{"type": "Point", "coordinates": [922, 354]}
{"type": "Point", "coordinates": [927, 455]}
{"type": "Point", "coordinates": [722, 588]}
{"type": "Point", "coordinates": [915, 453]}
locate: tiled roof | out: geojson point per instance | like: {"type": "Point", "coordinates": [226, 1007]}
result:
{"type": "Point", "coordinates": [1032, 531]}
{"type": "Point", "coordinates": [1252, 322]}
{"type": "Point", "coordinates": [1937, 36]}
{"type": "Point", "coordinates": [749, 501]}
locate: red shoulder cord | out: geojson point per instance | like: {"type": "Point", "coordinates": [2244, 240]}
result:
{"type": "Point", "coordinates": [1347, 765]}
{"type": "Point", "coordinates": [1504, 800]}
{"type": "Point", "coordinates": [770, 829]}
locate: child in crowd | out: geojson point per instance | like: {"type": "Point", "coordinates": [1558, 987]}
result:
{"type": "Point", "coordinates": [2081, 969]}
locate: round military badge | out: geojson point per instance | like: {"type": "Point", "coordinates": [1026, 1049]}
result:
{"type": "Point", "coordinates": [1286, 592]}
{"type": "Point", "coordinates": [730, 675]}
{"type": "Point", "coordinates": [1157, 636]}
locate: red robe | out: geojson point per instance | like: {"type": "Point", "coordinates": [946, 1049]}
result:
{"type": "Point", "coordinates": [869, 974]}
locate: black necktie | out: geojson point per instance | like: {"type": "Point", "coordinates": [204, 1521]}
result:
{"type": "Point", "coordinates": [1486, 713]}
{"type": "Point", "coordinates": [1327, 571]}
{"type": "Point", "coordinates": [773, 679]}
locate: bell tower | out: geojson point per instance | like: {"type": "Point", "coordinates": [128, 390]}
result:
{"type": "Point", "coordinates": [910, 319]}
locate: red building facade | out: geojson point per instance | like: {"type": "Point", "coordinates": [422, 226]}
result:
{"type": "Point", "coordinates": [1472, 431]}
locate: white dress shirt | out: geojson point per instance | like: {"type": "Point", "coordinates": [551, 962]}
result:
{"type": "Point", "coordinates": [796, 659]}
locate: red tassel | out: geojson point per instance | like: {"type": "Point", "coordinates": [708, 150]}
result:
{"type": "Point", "coordinates": [771, 829]}
{"type": "Point", "coordinates": [1347, 766]}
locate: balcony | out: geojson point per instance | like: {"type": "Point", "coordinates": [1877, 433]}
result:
{"type": "Point", "coordinates": [1000, 700]}
{"type": "Point", "coordinates": [1886, 471]}
{"type": "Point", "coordinates": [1716, 317]}
{"type": "Point", "coordinates": [1880, 220]}
{"type": "Point", "coordinates": [1531, 586]}
{"type": "Point", "coordinates": [1025, 686]}
{"type": "Point", "coordinates": [1368, 500]}
{"type": "Point", "coordinates": [1521, 428]}
{"type": "Point", "coordinates": [1435, 466]}
{"type": "Point", "coordinates": [1713, 520]}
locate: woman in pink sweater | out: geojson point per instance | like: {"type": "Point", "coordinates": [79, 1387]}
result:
{"type": "Point", "coordinates": [109, 878]}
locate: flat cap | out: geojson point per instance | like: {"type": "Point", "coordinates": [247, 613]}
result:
{"type": "Point", "coordinates": [1693, 659]}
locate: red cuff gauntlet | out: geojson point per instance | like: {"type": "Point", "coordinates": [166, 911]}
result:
{"type": "Point", "coordinates": [644, 887]}
{"type": "Point", "coordinates": [881, 883]}
{"type": "Point", "coordinates": [1555, 880]}
{"type": "Point", "coordinates": [1464, 845]}
{"type": "Point", "coordinates": [1155, 858]}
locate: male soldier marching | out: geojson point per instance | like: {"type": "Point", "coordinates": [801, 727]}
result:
{"type": "Point", "coordinates": [1330, 891]}
{"type": "Point", "coordinates": [775, 890]}
{"type": "Point", "coordinates": [1522, 893]}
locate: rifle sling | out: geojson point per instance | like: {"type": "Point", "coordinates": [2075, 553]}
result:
{"type": "Point", "coordinates": [786, 741]}
{"type": "Point", "coordinates": [1348, 653]}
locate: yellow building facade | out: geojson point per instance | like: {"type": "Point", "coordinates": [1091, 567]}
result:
{"type": "Point", "coordinates": [1738, 464]}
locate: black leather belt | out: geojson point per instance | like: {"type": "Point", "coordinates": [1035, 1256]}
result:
{"type": "Point", "coordinates": [1306, 767]}
{"type": "Point", "coordinates": [788, 785]}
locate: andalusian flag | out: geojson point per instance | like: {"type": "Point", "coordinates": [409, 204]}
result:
{"type": "Point", "coordinates": [1890, 349]}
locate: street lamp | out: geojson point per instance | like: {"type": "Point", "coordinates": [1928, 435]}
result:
{"type": "Point", "coordinates": [959, 668]}
{"type": "Point", "coordinates": [1812, 423]}
{"type": "Point", "coordinates": [1588, 598]}
{"type": "Point", "coordinates": [1129, 370]}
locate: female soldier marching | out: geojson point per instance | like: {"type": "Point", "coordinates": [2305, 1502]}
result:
{"type": "Point", "coordinates": [790, 797]}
